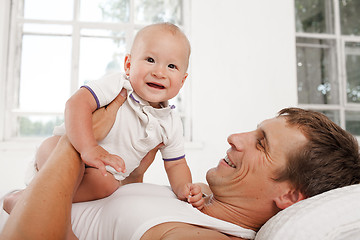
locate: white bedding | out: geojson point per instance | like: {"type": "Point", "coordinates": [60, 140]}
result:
{"type": "Point", "coordinates": [333, 215]}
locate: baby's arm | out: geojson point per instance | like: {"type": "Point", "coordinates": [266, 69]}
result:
{"type": "Point", "coordinates": [181, 183]}
{"type": "Point", "coordinates": [79, 129]}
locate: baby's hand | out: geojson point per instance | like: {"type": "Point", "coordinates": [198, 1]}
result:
{"type": "Point", "coordinates": [195, 195]}
{"type": "Point", "coordinates": [98, 157]}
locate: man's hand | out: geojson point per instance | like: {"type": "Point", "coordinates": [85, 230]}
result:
{"type": "Point", "coordinates": [104, 118]}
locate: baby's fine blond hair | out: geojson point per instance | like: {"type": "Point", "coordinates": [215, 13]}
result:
{"type": "Point", "coordinates": [166, 26]}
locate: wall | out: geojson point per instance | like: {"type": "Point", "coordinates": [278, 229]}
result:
{"type": "Point", "coordinates": [242, 71]}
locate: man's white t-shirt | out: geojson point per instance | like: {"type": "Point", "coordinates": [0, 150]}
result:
{"type": "Point", "coordinates": [135, 208]}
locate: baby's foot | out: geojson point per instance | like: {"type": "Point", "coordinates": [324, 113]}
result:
{"type": "Point", "coordinates": [10, 200]}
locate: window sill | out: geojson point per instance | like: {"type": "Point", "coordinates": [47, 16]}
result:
{"type": "Point", "coordinates": [20, 144]}
{"type": "Point", "coordinates": [28, 144]}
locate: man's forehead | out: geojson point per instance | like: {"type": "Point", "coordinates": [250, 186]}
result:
{"type": "Point", "coordinates": [270, 121]}
{"type": "Point", "coordinates": [276, 129]}
{"type": "Point", "coordinates": [280, 134]}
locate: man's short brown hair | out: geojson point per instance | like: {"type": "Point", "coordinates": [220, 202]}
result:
{"type": "Point", "coordinates": [329, 160]}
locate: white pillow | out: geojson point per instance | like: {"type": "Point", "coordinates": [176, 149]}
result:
{"type": "Point", "coordinates": [331, 215]}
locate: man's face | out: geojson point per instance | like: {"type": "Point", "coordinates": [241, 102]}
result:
{"type": "Point", "coordinates": [250, 164]}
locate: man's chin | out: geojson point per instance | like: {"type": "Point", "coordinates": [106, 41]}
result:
{"type": "Point", "coordinates": [211, 176]}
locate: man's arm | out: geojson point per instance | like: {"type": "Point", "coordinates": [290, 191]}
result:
{"type": "Point", "coordinates": [43, 211]}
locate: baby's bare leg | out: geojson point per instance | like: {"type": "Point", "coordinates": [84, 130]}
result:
{"type": "Point", "coordinates": [10, 200]}
{"type": "Point", "coordinates": [44, 151]}
{"type": "Point", "coordinates": [95, 185]}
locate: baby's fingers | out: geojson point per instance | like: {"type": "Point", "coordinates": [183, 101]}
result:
{"type": "Point", "coordinates": [194, 198]}
{"type": "Point", "coordinates": [116, 162]}
{"type": "Point", "coordinates": [199, 204]}
{"type": "Point", "coordinates": [195, 189]}
{"type": "Point", "coordinates": [197, 201]}
{"type": "Point", "coordinates": [99, 165]}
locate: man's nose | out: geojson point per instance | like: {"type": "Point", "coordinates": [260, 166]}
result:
{"type": "Point", "coordinates": [240, 141]}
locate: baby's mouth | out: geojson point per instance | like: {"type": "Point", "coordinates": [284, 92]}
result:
{"type": "Point", "coordinates": [227, 160]}
{"type": "Point", "coordinates": [155, 85]}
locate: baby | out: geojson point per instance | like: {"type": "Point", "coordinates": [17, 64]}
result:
{"type": "Point", "coordinates": [155, 71]}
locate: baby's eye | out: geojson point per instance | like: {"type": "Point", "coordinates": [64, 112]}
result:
{"type": "Point", "coordinates": [172, 66]}
{"type": "Point", "coordinates": [150, 60]}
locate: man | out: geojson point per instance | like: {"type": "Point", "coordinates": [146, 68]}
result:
{"type": "Point", "coordinates": [287, 158]}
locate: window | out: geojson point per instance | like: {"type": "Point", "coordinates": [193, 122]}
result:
{"type": "Point", "coordinates": [328, 59]}
{"type": "Point", "coordinates": [57, 46]}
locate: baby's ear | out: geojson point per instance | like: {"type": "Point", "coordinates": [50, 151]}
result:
{"type": "Point", "coordinates": [127, 64]}
{"type": "Point", "coordinates": [185, 76]}
{"type": "Point", "coordinates": [289, 198]}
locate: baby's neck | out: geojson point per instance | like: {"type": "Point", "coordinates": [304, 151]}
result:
{"type": "Point", "coordinates": [156, 105]}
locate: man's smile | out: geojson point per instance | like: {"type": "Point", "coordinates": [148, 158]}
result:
{"type": "Point", "coordinates": [227, 160]}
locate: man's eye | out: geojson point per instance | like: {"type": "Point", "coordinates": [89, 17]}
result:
{"type": "Point", "coordinates": [260, 144]}
{"type": "Point", "coordinates": [172, 66]}
{"type": "Point", "coordinates": [150, 60]}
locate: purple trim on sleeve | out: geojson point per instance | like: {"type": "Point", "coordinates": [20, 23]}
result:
{"type": "Point", "coordinates": [134, 98]}
{"type": "Point", "coordinates": [94, 95]}
{"type": "Point", "coordinates": [172, 106]}
{"type": "Point", "coordinates": [174, 159]}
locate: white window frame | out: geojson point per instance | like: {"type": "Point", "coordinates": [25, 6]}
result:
{"type": "Point", "coordinates": [4, 41]}
{"type": "Point", "coordinates": [10, 66]}
{"type": "Point", "coordinates": [340, 41]}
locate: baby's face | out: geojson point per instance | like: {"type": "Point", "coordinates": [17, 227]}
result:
{"type": "Point", "coordinates": [157, 65]}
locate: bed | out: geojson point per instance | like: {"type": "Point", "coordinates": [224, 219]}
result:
{"type": "Point", "coordinates": [331, 215]}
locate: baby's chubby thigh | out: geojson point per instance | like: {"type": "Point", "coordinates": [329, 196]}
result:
{"type": "Point", "coordinates": [44, 150]}
{"type": "Point", "coordinates": [95, 185]}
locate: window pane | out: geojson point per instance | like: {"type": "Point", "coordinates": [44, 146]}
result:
{"type": "Point", "coordinates": [105, 10]}
{"type": "Point", "coordinates": [349, 16]}
{"type": "Point", "coordinates": [45, 73]}
{"type": "Point", "coordinates": [317, 71]}
{"type": "Point", "coordinates": [38, 125]}
{"type": "Point", "coordinates": [352, 51]}
{"type": "Point", "coordinates": [353, 122]}
{"type": "Point", "coordinates": [314, 16]}
{"type": "Point", "coordinates": [100, 55]}
{"type": "Point", "coordinates": [49, 9]}
{"type": "Point", "coordinates": [151, 11]}
{"type": "Point", "coordinates": [332, 115]}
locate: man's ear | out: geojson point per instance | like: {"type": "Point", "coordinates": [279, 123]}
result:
{"type": "Point", "coordinates": [127, 64]}
{"type": "Point", "coordinates": [289, 198]}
